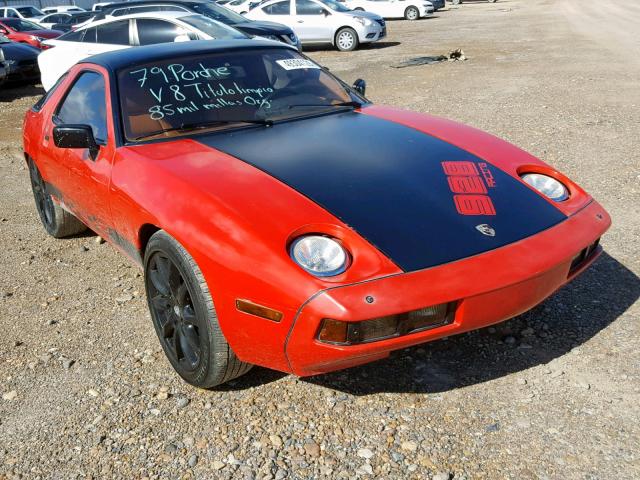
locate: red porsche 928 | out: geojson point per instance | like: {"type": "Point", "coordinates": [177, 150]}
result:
{"type": "Point", "coordinates": [283, 220]}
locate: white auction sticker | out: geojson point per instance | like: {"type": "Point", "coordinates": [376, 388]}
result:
{"type": "Point", "coordinates": [296, 63]}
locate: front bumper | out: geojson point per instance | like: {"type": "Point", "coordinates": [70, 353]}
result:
{"type": "Point", "coordinates": [488, 288]}
{"type": "Point", "coordinates": [426, 11]}
{"type": "Point", "coordinates": [371, 33]}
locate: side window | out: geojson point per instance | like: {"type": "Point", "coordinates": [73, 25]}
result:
{"type": "Point", "coordinates": [152, 31]}
{"type": "Point", "coordinates": [89, 35]}
{"type": "Point", "coordinates": [279, 8]}
{"type": "Point", "coordinates": [307, 7]}
{"type": "Point", "coordinates": [116, 33]}
{"type": "Point", "coordinates": [11, 13]}
{"type": "Point", "coordinates": [76, 36]}
{"type": "Point", "coordinates": [121, 11]}
{"type": "Point", "coordinates": [40, 103]}
{"type": "Point", "coordinates": [85, 103]}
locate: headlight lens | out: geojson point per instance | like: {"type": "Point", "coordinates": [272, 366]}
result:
{"type": "Point", "coordinates": [320, 256]}
{"type": "Point", "coordinates": [546, 185]}
{"type": "Point", "coordinates": [360, 20]}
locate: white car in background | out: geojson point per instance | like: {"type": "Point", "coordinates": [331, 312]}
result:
{"type": "Point", "coordinates": [124, 32]}
{"type": "Point", "coordinates": [408, 9]}
{"type": "Point", "coordinates": [49, 20]}
{"type": "Point", "coordinates": [322, 22]}
{"type": "Point", "coordinates": [63, 8]}
{"type": "Point", "coordinates": [27, 12]}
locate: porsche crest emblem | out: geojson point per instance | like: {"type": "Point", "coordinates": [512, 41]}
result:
{"type": "Point", "coordinates": [485, 229]}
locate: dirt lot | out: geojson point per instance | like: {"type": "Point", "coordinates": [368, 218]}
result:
{"type": "Point", "coordinates": [554, 393]}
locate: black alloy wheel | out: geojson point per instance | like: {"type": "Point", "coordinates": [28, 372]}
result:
{"type": "Point", "coordinates": [184, 315]}
{"type": "Point", "coordinates": [44, 203]}
{"type": "Point", "coordinates": [172, 305]}
{"type": "Point", "coordinates": [57, 221]}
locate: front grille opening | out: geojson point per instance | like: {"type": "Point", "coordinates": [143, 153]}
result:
{"type": "Point", "coordinates": [583, 257]}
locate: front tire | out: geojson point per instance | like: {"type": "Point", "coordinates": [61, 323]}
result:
{"type": "Point", "coordinates": [56, 220]}
{"type": "Point", "coordinates": [346, 39]}
{"type": "Point", "coordinates": [412, 13]}
{"type": "Point", "coordinates": [184, 316]}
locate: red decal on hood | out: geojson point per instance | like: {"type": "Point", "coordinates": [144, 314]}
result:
{"type": "Point", "coordinates": [465, 181]}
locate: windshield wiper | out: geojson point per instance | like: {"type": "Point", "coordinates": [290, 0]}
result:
{"type": "Point", "coordinates": [351, 103]}
{"type": "Point", "coordinates": [186, 127]}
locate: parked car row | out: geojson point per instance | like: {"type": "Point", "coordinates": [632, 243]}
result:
{"type": "Point", "coordinates": [77, 34]}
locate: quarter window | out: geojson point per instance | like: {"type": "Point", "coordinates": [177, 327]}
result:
{"type": "Point", "coordinates": [116, 33]}
{"type": "Point", "coordinates": [85, 104]}
{"type": "Point", "coordinates": [152, 31]}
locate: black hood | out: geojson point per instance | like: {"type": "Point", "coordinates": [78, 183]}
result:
{"type": "Point", "coordinates": [421, 201]}
{"type": "Point", "coordinates": [19, 51]}
{"type": "Point", "coordinates": [263, 28]}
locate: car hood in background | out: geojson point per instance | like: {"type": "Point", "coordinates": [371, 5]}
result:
{"type": "Point", "coordinates": [18, 51]}
{"type": "Point", "coordinates": [392, 184]}
{"type": "Point", "coordinates": [44, 33]}
{"type": "Point", "coordinates": [361, 13]}
{"type": "Point", "coordinates": [261, 28]}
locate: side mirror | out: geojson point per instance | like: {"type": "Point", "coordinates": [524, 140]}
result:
{"type": "Point", "coordinates": [183, 37]}
{"type": "Point", "coordinates": [76, 136]}
{"type": "Point", "coordinates": [360, 86]}
{"type": "Point", "coordinates": [326, 13]}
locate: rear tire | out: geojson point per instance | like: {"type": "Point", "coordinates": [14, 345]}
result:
{"type": "Point", "coordinates": [184, 316]}
{"type": "Point", "coordinates": [56, 220]}
{"type": "Point", "coordinates": [346, 39]}
{"type": "Point", "coordinates": [456, 2]}
{"type": "Point", "coordinates": [411, 13]}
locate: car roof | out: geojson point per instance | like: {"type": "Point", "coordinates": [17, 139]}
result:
{"type": "Point", "coordinates": [158, 15]}
{"type": "Point", "coordinates": [18, 6]}
{"type": "Point", "coordinates": [129, 57]}
{"type": "Point", "coordinates": [141, 2]}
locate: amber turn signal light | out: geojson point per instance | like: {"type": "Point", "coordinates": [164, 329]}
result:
{"type": "Point", "coordinates": [351, 333]}
{"type": "Point", "coordinates": [258, 310]}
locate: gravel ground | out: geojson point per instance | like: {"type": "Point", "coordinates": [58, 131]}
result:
{"type": "Point", "coordinates": [554, 393]}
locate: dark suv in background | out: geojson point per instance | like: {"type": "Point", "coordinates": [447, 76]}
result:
{"type": "Point", "coordinates": [271, 30]}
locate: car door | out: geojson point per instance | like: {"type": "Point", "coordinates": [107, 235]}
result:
{"type": "Point", "coordinates": [83, 181]}
{"type": "Point", "coordinates": [312, 21]}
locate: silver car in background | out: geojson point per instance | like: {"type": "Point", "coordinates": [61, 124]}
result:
{"type": "Point", "coordinates": [323, 22]}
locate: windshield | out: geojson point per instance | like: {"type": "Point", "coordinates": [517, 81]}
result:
{"type": "Point", "coordinates": [21, 25]}
{"type": "Point", "coordinates": [336, 6]}
{"type": "Point", "coordinates": [211, 27]}
{"type": "Point", "coordinates": [222, 14]}
{"type": "Point", "coordinates": [223, 90]}
{"type": "Point", "coordinates": [29, 12]}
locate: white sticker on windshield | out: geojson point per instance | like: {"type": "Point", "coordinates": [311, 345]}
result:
{"type": "Point", "coordinates": [296, 63]}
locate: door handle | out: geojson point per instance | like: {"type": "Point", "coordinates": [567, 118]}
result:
{"type": "Point", "coordinates": [300, 21]}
